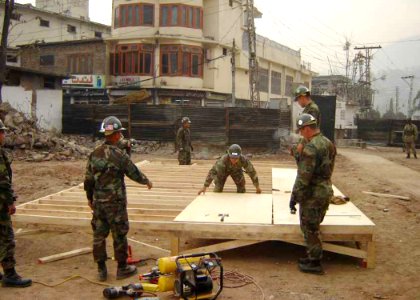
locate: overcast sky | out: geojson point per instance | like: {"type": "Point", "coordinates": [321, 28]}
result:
{"type": "Point", "coordinates": [320, 29]}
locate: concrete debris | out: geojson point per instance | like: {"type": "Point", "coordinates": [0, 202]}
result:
{"type": "Point", "coordinates": [31, 143]}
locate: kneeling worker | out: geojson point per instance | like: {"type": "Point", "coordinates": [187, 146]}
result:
{"type": "Point", "coordinates": [234, 164]}
{"type": "Point", "coordinates": [313, 189]}
{"type": "Point", "coordinates": [107, 197]}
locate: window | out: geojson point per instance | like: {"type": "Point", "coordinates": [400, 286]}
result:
{"type": "Point", "coordinates": [15, 16]}
{"type": "Point", "coordinates": [132, 59]}
{"type": "Point", "coordinates": [71, 28]}
{"type": "Point", "coordinates": [181, 15]}
{"type": "Point", "coordinates": [98, 34]}
{"type": "Point", "coordinates": [11, 58]}
{"type": "Point", "coordinates": [289, 86]}
{"type": "Point", "coordinates": [44, 23]}
{"type": "Point", "coordinates": [80, 63]}
{"type": "Point", "coordinates": [275, 82]}
{"type": "Point", "coordinates": [179, 60]}
{"type": "Point", "coordinates": [46, 60]}
{"type": "Point", "coordinates": [263, 80]}
{"type": "Point", "coordinates": [134, 15]}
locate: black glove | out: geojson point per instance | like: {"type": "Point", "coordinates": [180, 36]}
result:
{"type": "Point", "coordinates": [292, 205]}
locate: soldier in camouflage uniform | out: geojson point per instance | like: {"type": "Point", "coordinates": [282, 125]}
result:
{"type": "Point", "coordinates": [7, 208]}
{"type": "Point", "coordinates": [313, 189]}
{"type": "Point", "coordinates": [183, 142]}
{"type": "Point", "coordinates": [303, 97]}
{"type": "Point", "coordinates": [106, 194]}
{"type": "Point", "coordinates": [410, 134]}
{"type": "Point", "coordinates": [234, 164]}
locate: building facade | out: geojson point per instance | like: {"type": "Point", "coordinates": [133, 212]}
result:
{"type": "Point", "coordinates": [51, 21]}
{"type": "Point", "coordinates": [83, 62]}
{"type": "Point", "coordinates": [181, 52]}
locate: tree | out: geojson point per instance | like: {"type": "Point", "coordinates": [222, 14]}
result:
{"type": "Point", "coordinates": [8, 9]}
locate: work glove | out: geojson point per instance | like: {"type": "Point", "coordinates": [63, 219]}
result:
{"type": "Point", "coordinates": [292, 205]}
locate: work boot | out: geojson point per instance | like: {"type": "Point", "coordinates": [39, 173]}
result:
{"type": "Point", "coordinates": [311, 266]}
{"type": "Point", "coordinates": [125, 271]}
{"type": "Point", "coordinates": [102, 271]}
{"type": "Point", "coordinates": [408, 156]}
{"type": "Point", "coordinates": [415, 155]}
{"type": "Point", "coordinates": [12, 279]}
{"type": "Point", "coordinates": [304, 260]}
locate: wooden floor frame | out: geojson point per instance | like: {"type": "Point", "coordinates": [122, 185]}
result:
{"type": "Point", "coordinates": [152, 213]}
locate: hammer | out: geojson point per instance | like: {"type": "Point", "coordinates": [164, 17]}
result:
{"type": "Point", "coordinates": [222, 219]}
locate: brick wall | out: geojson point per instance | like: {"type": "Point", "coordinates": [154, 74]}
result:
{"type": "Point", "coordinates": [30, 56]}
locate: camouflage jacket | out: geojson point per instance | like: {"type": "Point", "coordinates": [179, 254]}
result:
{"type": "Point", "coordinates": [124, 145]}
{"type": "Point", "coordinates": [183, 139]}
{"type": "Point", "coordinates": [313, 110]}
{"type": "Point", "coordinates": [105, 170]}
{"type": "Point", "coordinates": [315, 168]}
{"type": "Point", "coordinates": [223, 167]}
{"type": "Point", "coordinates": [7, 195]}
{"type": "Point", "coordinates": [410, 130]}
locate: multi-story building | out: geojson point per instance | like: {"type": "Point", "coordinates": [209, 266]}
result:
{"type": "Point", "coordinates": [51, 21]}
{"type": "Point", "coordinates": [181, 51]}
{"type": "Point", "coordinates": [82, 61]}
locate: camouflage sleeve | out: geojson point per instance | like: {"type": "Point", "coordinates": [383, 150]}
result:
{"type": "Point", "coordinates": [252, 173]}
{"type": "Point", "coordinates": [131, 170]}
{"type": "Point", "coordinates": [306, 168]}
{"type": "Point", "coordinates": [89, 182]}
{"type": "Point", "coordinates": [416, 133]}
{"type": "Point", "coordinates": [7, 195]}
{"type": "Point", "coordinates": [179, 138]}
{"type": "Point", "coordinates": [218, 168]}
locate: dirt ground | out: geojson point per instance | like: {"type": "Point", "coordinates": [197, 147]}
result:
{"type": "Point", "coordinates": [272, 265]}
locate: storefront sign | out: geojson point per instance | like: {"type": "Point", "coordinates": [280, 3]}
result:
{"type": "Point", "coordinates": [95, 81]}
{"type": "Point", "coordinates": [126, 81]}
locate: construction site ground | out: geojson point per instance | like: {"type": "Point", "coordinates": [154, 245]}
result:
{"type": "Point", "coordinates": [272, 265]}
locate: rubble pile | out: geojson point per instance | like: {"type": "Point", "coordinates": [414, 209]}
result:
{"type": "Point", "coordinates": [33, 144]}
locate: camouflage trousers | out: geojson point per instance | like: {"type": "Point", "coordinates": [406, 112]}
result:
{"type": "Point", "coordinates": [311, 216]}
{"type": "Point", "coordinates": [410, 145]}
{"type": "Point", "coordinates": [110, 216]}
{"type": "Point", "coordinates": [238, 178]}
{"type": "Point", "coordinates": [7, 245]}
{"type": "Point", "coordinates": [184, 157]}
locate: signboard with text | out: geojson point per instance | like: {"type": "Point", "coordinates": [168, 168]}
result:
{"type": "Point", "coordinates": [89, 80]}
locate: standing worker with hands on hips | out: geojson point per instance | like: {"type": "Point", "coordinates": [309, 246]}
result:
{"type": "Point", "coordinates": [183, 142]}
{"type": "Point", "coordinates": [313, 189]}
{"type": "Point", "coordinates": [234, 164]}
{"type": "Point", "coordinates": [106, 194]}
{"type": "Point", "coordinates": [7, 209]}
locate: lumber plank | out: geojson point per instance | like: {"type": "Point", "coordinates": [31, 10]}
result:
{"type": "Point", "coordinates": [405, 198]}
{"type": "Point", "coordinates": [222, 246]}
{"type": "Point", "coordinates": [64, 255]}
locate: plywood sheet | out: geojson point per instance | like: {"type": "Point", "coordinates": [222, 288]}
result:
{"type": "Point", "coordinates": [241, 208]}
{"type": "Point", "coordinates": [337, 215]}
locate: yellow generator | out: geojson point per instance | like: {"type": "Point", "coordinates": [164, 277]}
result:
{"type": "Point", "coordinates": [190, 277]}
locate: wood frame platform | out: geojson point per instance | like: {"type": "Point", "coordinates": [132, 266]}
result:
{"type": "Point", "coordinates": [175, 187]}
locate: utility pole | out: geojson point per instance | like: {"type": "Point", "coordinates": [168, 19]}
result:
{"type": "Point", "coordinates": [253, 62]}
{"type": "Point", "coordinates": [410, 94]}
{"type": "Point", "coordinates": [8, 9]}
{"type": "Point", "coordinates": [233, 62]}
{"type": "Point", "coordinates": [367, 81]}
{"type": "Point", "coordinates": [397, 99]}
